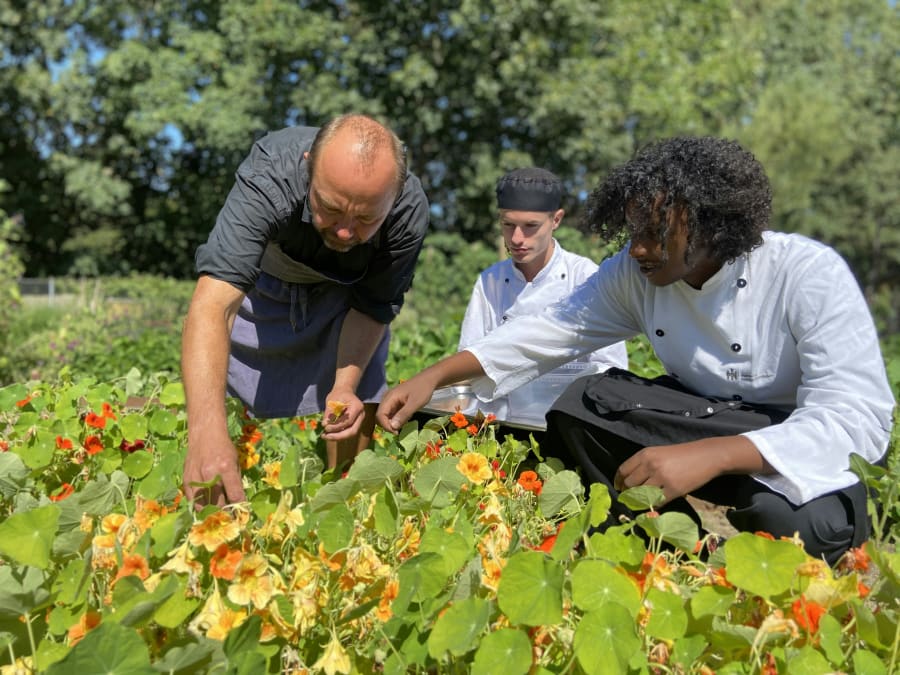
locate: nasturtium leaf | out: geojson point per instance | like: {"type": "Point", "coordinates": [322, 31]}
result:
{"type": "Point", "coordinates": [452, 548]}
{"type": "Point", "coordinates": [687, 650]}
{"type": "Point", "coordinates": [385, 513]}
{"type": "Point", "coordinates": [109, 648]}
{"type": "Point", "coordinates": [530, 590]}
{"type": "Point", "coordinates": [711, 601]}
{"type": "Point", "coordinates": [561, 493]}
{"type": "Point", "coordinates": [71, 584]}
{"type": "Point", "coordinates": [99, 496]}
{"type": "Point", "coordinates": [134, 382]}
{"type": "Point", "coordinates": [158, 481]}
{"type": "Point", "coordinates": [332, 494]}
{"type": "Point", "coordinates": [507, 651]}
{"type": "Point", "coordinates": [167, 530]}
{"type": "Point", "coordinates": [668, 618]}
{"type": "Point", "coordinates": [642, 497]}
{"type": "Point", "coordinates": [13, 474]}
{"type": "Point", "coordinates": [599, 503]}
{"type": "Point", "coordinates": [63, 617]}
{"type": "Point", "coordinates": [569, 533]}
{"type": "Point", "coordinates": [138, 464]}
{"type": "Point", "coordinates": [830, 639]}
{"type": "Point", "coordinates": [439, 482]}
{"type": "Point", "coordinates": [172, 394]}
{"type": "Point", "coordinates": [605, 640]}
{"type": "Point", "coordinates": [28, 537]}
{"type": "Point", "coordinates": [11, 395]}
{"type": "Point", "coordinates": [457, 629]}
{"type": "Point", "coordinates": [373, 471]}
{"type": "Point", "coordinates": [133, 427]}
{"type": "Point", "coordinates": [69, 544]}
{"type": "Point", "coordinates": [243, 638]}
{"type": "Point", "coordinates": [162, 422]}
{"type": "Point", "coordinates": [38, 453]}
{"type": "Point", "coordinates": [134, 605]}
{"type": "Point", "coordinates": [761, 566]}
{"type": "Point", "coordinates": [807, 661]}
{"type": "Point", "coordinates": [596, 583]}
{"type": "Point", "coordinates": [618, 545]}
{"type": "Point", "coordinates": [675, 528]}
{"type": "Point", "coordinates": [421, 577]}
{"type": "Point", "coordinates": [730, 636]}
{"type": "Point", "coordinates": [336, 528]}
{"type": "Point", "coordinates": [48, 653]}
{"type": "Point", "coordinates": [187, 658]}
{"type": "Point", "coordinates": [22, 590]}
{"type": "Point", "coordinates": [867, 663]}
{"type": "Point", "coordinates": [867, 626]}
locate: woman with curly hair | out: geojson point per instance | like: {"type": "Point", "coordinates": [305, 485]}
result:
{"type": "Point", "coordinates": [773, 370]}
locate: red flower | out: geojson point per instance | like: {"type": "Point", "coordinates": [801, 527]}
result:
{"type": "Point", "coordinates": [93, 445]}
{"type": "Point", "coordinates": [764, 535]}
{"type": "Point", "coordinates": [490, 418]}
{"type": "Point", "coordinates": [95, 420]}
{"type": "Point", "coordinates": [4, 446]}
{"type": "Point", "coordinates": [108, 413]}
{"type": "Point", "coordinates": [472, 429]}
{"type": "Point", "coordinates": [63, 443]}
{"type": "Point", "coordinates": [529, 481]}
{"type": "Point", "coordinates": [25, 401]}
{"type": "Point", "coordinates": [313, 424]}
{"type": "Point", "coordinates": [495, 465]}
{"type": "Point", "coordinates": [459, 420]}
{"type": "Point", "coordinates": [807, 614]}
{"type": "Point", "coordinates": [65, 490]}
{"type": "Point", "coordinates": [301, 424]}
{"type": "Point", "coordinates": [856, 559]}
{"type": "Point", "coordinates": [433, 449]}
{"type": "Point", "coordinates": [138, 444]}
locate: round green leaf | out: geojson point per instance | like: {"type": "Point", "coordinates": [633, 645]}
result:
{"type": "Point", "coordinates": [561, 493]}
{"type": "Point", "coordinates": [505, 651]}
{"type": "Point", "coordinates": [163, 422]}
{"type": "Point", "coordinates": [605, 640]}
{"type": "Point", "coordinates": [761, 566]}
{"type": "Point", "coordinates": [109, 648]}
{"type": "Point", "coordinates": [28, 537]}
{"type": "Point", "coordinates": [711, 601]}
{"type": "Point", "coordinates": [133, 427]}
{"type": "Point", "coordinates": [668, 618]}
{"type": "Point", "coordinates": [530, 590]}
{"type": "Point", "coordinates": [336, 528]}
{"type": "Point", "coordinates": [137, 464]}
{"type": "Point", "coordinates": [439, 481]}
{"type": "Point", "coordinates": [456, 631]}
{"type": "Point", "coordinates": [596, 583]}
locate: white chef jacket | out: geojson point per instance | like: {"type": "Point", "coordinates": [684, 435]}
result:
{"type": "Point", "coordinates": [502, 293]}
{"type": "Point", "coordinates": [784, 325]}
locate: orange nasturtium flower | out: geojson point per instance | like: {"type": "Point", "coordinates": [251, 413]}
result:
{"type": "Point", "coordinates": [808, 613]}
{"type": "Point", "coordinates": [217, 528]}
{"type": "Point", "coordinates": [25, 401]}
{"type": "Point", "coordinates": [88, 621]}
{"type": "Point", "coordinates": [93, 445]}
{"type": "Point", "coordinates": [335, 408]}
{"type": "Point", "coordinates": [65, 490]}
{"type": "Point", "coordinates": [474, 466]}
{"type": "Point", "coordinates": [94, 420]}
{"type": "Point", "coordinates": [472, 429]}
{"type": "Point", "coordinates": [63, 443]}
{"type": "Point", "coordinates": [133, 565]}
{"type": "Point", "coordinates": [529, 481]}
{"type": "Point", "coordinates": [107, 412]}
{"type": "Point", "coordinates": [224, 562]}
{"type": "Point", "coordinates": [459, 420]}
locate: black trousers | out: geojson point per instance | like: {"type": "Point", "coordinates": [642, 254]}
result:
{"type": "Point", "coordinates": [602, 420]}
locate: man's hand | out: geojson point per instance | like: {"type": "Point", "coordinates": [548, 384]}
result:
{"type": "Point", "coordinates": [681, 468]}
{"type": "Point", "coordinates": [343, 415]}
{"type": "Point", "coordinates": [212, 460]}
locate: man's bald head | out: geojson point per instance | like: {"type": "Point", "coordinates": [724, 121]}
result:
{"type": "Point", "coordinates": [364, 140]}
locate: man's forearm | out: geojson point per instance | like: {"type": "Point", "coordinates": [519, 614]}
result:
{"type": "Point", "coordinates": [360, 337]}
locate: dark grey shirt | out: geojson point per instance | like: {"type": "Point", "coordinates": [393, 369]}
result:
{"type": "Point", "coordinates": [268, 203]}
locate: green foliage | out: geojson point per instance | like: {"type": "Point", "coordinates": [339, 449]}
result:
{"type": "Point", "coordinates": [433, 553]}
{"type": "Point", "coordinates": [11, 268]}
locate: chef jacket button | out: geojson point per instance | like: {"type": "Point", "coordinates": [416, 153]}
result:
{"type": "Point", "coordinates": [660, 332]}
{"type": "Point", "coordinates": [741, 283]}
{"type": "Point", "coordinates": [687, 413]}
{"type": "Point", "coordinates": [736, 347]}
{"type": "Point", "coordinates": [505, 317]}
{"type": "Point", "coordinates": [506, 281]}
{"type": "Point", "coordinates": [563, 275]}
{"type": "Point", "coordinates": [709, 410]}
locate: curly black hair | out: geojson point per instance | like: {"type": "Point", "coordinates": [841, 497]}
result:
{"type": "Point", "coordinates": [723, 187]}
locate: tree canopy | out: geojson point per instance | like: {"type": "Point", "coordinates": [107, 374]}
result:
{"type": "Point", "coordinates": [124, 121]}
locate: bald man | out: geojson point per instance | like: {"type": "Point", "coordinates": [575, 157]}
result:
{"type": "Point", "coordinates": [306, 267]}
